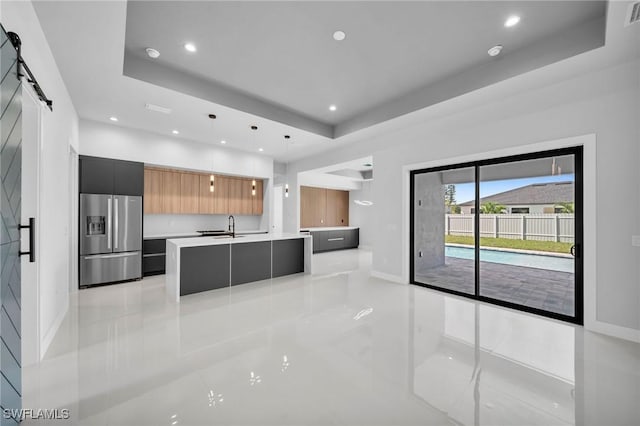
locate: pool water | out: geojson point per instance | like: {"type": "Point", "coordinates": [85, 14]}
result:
{"type": "Point", "coordinates": [553, 263]}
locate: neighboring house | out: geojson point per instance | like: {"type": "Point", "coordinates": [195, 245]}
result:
{"type": "Point", "coordinates": [536, 198]}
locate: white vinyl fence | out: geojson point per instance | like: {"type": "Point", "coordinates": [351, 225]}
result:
{"type": "Point", "coordinates": [541, 227]}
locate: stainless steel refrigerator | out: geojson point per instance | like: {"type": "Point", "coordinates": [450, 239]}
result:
{"type": "Point", "coordinates": [110, 238]}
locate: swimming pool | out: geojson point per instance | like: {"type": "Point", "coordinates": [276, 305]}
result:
{"type": "Point", "coordinates": [553, 263]}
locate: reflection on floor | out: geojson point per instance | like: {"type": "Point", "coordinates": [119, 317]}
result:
{"type": "Point", "coordinates": [553, 291]}
{"type": "Point", "coordinates": [338, 347]}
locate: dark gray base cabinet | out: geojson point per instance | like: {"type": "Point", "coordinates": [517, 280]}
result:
{"type": "Point", "coordinates": [204, 268]}
{"type": "Point", "coordinates": [288, 257]}
{"type": "Point", "coordinates": [153, 264]}
{"type": "Point", "coordinates": [250, 262]}
{"type": "Point", "coordinates": [335, 240]}
{"type": "Point", "coordinates": [154, 256]}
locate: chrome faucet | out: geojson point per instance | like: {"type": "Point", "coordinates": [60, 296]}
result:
{"type": "Point", "coordinates": [232, 225]}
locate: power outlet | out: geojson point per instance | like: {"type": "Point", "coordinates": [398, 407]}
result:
{"type": "Point", "coordinates": [635, 240]}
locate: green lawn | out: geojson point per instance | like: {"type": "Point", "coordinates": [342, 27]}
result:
{"type": "Point", "coordinates": [550, 246]}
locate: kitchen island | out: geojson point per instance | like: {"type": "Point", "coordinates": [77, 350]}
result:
{"type": "Point", "coordinates": [200, 264]}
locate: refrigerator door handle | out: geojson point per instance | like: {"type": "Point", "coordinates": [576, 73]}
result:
{"type": "Point", "coordinates": [110, 256]}
{"type": "Point", "coordinates": [115, 231]}
{"type": "Point", "coordinates": [109, 223]}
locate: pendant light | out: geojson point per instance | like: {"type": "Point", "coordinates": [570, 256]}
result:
{"type": "Point", "coordinates": [212, 178]}
{"type": "Point", "coordinates": [253, 181]}
{"type": "Point", "coordinates": [286, 166]}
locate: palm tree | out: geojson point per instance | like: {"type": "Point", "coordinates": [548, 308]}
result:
{"type": "Point", "coordinates": [492, 208]}
{"type": "Point", "coordinates": [565, 207]}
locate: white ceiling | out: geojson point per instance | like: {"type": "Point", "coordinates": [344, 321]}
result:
{"type": "Point", "coordinates": [291, 71]}
{"type": "Point", "coordinates": [283, 53]}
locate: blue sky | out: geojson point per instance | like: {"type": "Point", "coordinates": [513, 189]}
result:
{"type": "Point", "coordinates": [466, 191]}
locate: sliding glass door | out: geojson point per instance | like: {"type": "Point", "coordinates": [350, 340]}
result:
{"type": "Point", "coordinates": [507, 231]}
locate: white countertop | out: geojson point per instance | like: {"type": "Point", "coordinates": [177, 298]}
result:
{"type": "Point", "coordinates": [330, 228]}
{"type": "Point", "coordinates": [195, 234]}
{"type": "Point", "coordinates": [209, 241]}
{"type": "Point", "coordinates": [175, 235]}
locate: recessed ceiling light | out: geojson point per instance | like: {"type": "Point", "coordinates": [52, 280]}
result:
{"type": "Point", "coordinates": [190, 47]}
{"type": "Point", "coordinates": [512, 21]}
{"type": "Point", "coordinates": [332, 108]}
{"type": "Point", "coordinates": [339, 35]}
{"type": "Point", "coordinates": [175, 132]}
{"type": "Point", "coordinates": [113, 118]}
{"type": "Point", "coordinates": [260, 149]}
{"type": "Point", "coordinates": [223, 142]}
{"type": "Point", "coordinates": [495, 50]}
{"type": "Point", "coordinates": [152, 53]}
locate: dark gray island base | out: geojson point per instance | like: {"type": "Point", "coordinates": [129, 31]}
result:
{"type": "Point", "coordinates": [200, 264]}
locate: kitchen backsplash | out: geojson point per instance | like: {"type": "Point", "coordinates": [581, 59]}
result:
{"type": "Point", "coordinates": [158, 224]}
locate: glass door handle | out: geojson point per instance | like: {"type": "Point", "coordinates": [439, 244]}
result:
{"type": "Point", "coordinates": [573, 250]}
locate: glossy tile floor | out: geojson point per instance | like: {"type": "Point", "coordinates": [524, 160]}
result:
{"type": "Point", "coordinates": [337, 347]}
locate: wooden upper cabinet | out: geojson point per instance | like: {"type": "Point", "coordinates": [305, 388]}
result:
{"type": "Point", "coordinates": [152, 191]}
{"type": "Point", "coordinates": [258, 199]}
{"type": "Point", "coordinates": [216, 202]}
{"type": "Point", "coordinates": [207, 202]}
{"type": "Point", "coordinates": [171, 186]}
{"type": "Point", "coordinates": [246, 208]}
{"type": "Point", "coordinates": [175, 192]}
{"type": "Point", "coordinates": [343, 208]}
{"type": "Point", "coordinates": [221, 195]}
{"type": "Point", "coordinates": [313, 206]}
{"type": "Point", "coordinates": [323, 207]}
{"type": "Point", "coordinates": [337, 208]}
{"type": "Point", "coordinates": [189, 193]}
{"type": "Point", "coordinates": [235, 195]}
{"type": "Point", "coordinates": [241, 201]}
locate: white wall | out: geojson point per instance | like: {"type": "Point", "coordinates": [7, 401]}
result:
{"type": "Point", "coordinates": [604, 102]}
{"type": "Point", "coordinates": [327, 180]}
{"type": "Point", "coordinates": [59, 131]}
{"type": "Point", "coordinates": [162, 224]}
{"type": "Point", "coordinates": [362, 216]}
{"type": "Point", "coordinates": [113, 141]}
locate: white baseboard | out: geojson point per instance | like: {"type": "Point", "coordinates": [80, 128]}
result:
{"type": "Point", "coordinates": [51, 333]}
{"type": "Point", "coordinates": [388, 277]}
{"type": "Point", "coordinates": [618, 331]}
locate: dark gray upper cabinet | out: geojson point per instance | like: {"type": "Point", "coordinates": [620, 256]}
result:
{"type": "Point", "coordinates": [109, 176]}
{"type": "Point", "coordinates": [96, 175]}
{"type": "Point", "coordinates": [128, 178]}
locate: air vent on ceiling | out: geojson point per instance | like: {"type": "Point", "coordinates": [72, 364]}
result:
{"type": "Point", "coordinates": [633, 14]}
{"type": "Point", "coordinates": [158, 108]}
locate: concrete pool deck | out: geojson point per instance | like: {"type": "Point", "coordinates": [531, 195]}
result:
{"type": "Point", "coordinates": [553, 291]}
